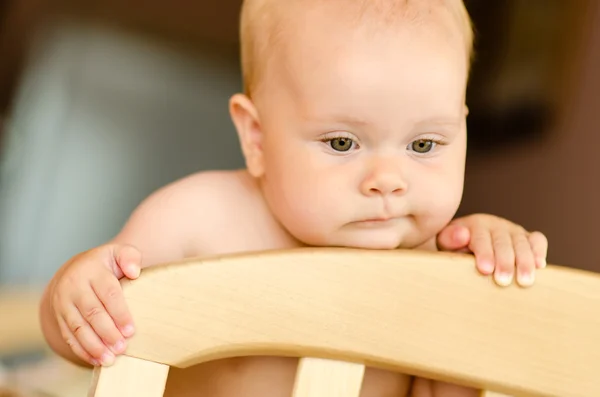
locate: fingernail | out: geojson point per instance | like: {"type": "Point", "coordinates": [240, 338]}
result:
{"type": "Point", "coordinates": [504, 279]}
{"type": "Point", "coordinates": [128, 330]}
{"type": "Point", "coordinates": [526, 279]}
{"type": "Point", "coordinates": [486, 267]}
{"type": "Point", "coordinates": [541, 263]}
{"type": "Point", "coordinates": [119, 347]}
{"type": "Point", "coordinates": [108, 359]}
{"type": "Point", "coordinates": [133, 270]}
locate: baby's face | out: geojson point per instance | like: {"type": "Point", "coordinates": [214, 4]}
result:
{"type": "Point", "coordinates": [363, 134]}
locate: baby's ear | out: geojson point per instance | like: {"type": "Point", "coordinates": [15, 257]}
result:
{"type": "Point", "coordinates": [246, 121]}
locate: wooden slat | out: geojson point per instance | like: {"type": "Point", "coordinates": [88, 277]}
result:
{"type": "Point", "coordinates": [319, 377]}
{"type": "Point", "coordinates": [427, 314]}
{"type": "Point", "coordinates": [130, 377]}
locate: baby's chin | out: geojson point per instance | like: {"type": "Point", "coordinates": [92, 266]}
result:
{"type": "Point", "coordinates": [371, 240]}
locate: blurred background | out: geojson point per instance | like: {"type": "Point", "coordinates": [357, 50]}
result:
{"type": "Point", "coordinates": [102, 102]}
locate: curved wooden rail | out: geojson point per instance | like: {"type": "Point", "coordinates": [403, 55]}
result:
{"type": "Point", "coordinates": [427, 314]}
{"type": "Point", "coordinates": [20, 330]}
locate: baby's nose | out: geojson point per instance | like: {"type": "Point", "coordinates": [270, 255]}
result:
{"type": "Point", "coordinates": [384, 181]}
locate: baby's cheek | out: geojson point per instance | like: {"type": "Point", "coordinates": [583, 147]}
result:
{"type": "Point", "coordinates": [443, 193]}
{"type": "Point", "coordinates": [433, 214]}
{"type": "Point", "coordinates": [302, 216]}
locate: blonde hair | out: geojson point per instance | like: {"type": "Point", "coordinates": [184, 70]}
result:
{"type": "Point", "coordinates": [262, 24]}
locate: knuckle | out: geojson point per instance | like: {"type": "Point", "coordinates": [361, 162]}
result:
{"type": "Point", "coordinates": [92, 313]}
{"type": "Point", "coordinates": [112, 293]}
{"type": "Point", "coordinates": [76, 327]}
{"type": "Point", "coordinates": [72, 343]}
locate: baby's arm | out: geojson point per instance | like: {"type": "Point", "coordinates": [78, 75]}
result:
{"type": "Point", "coordinates": [83, 313]}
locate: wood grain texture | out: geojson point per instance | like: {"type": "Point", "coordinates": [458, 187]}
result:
{"type": "Point", "coordinates": [319, 377]}
{"type": "Point", "coordinates": [427, 314]}
{"type": "Point", "coordinates": [130, 377]}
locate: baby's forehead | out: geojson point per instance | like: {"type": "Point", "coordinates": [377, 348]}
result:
{"type": "Point", "coordinates": [359, 12]}
{"type": "Point", "coordinates": [269, 24]}
{"type": "Point", "coordinates": [269, 27]}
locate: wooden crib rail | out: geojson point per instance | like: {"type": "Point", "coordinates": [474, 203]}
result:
{"type": "Point", "coordinates": [426, 314]}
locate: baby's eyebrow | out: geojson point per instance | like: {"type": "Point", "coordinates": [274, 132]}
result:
{"type": "Point", "coordinates": [346, 119]}
{"type": "Point", "coordinates": [449, 122]}
{"type": "Point", "coordinates": [356, 121]}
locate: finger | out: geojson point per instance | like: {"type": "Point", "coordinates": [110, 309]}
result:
{"type": "Point", "coordinates": [482, 247]}
{"type": "Point", "coordinates": [453, 238]}
{"type": "Point", "coordinates": [95, 316]}
{"type": "Point", "coordinates": [539, 245]}
{"type": "Point", "coordinates": [74, 344]}
{"type": "Point", "coordinates": [504, 257]}
{"type": "Point", "coordinates": [524, 260]}
{"type": "Point", "coordinates": [129, 260]}
{"type": "Point", "coordinates": [87, 338]}
{"type": "Point", "coordinates": [109, 292]}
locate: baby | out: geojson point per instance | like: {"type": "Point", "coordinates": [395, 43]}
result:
{"type": "Point", "coordinates": [352, 125]}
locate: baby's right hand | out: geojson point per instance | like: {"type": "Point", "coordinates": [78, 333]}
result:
{"type": "Point", "coordinates": [89, 305]}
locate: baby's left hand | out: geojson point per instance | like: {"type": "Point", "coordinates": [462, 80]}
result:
{"type": "Point", "coordinates": [499, 247]}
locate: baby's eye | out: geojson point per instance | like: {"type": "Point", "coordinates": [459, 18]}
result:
{"type": "Point", "coordinates": [341, 144]}
{"type": "Point", "coordinates": [422, 146]}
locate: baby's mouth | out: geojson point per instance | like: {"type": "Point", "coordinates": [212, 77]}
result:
{"type": "Point", "coordinates": [376, 221]}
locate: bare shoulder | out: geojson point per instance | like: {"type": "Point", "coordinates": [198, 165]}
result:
{"type": "Point", "coordinates": [209, 188]}
{"type": "Point", "coordinates": [173, 222]}
{"type": "Point", "coordinates": [217, 195]}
